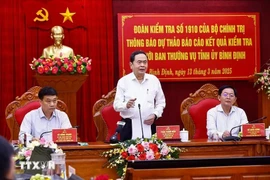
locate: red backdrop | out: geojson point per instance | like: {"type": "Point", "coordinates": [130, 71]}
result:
{"type": "Point", "coordinates": [20, 43]}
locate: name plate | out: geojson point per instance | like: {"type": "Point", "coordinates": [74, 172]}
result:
{"type": "Point", "coordinates": [64, 135]}
{"type": "Point", "coordinates": [253, 130]}
{"type": "Point", "coordinates": [168, 132]}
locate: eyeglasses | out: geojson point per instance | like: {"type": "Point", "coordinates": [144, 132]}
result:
{"type": "Point", "coordinates": [228, 95]}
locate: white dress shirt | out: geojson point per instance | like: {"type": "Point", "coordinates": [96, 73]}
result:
{"type": "Point", "coordinates": [35, 123]}
{"type": "Point", "coordinates": [148, 94]}
{"type": "Point", "coordinates": [218, 121]}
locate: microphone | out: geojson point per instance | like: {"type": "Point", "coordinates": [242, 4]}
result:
{"type": "Point", "coordinates": [235, 138]}
{"type": "Point", "coordinates": [42, 134]}
{"type": "Point", "coordinates": [118, 130]}
{"type": "Point", "coordinates": [139, 106]}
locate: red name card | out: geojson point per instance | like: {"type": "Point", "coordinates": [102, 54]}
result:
{"type": "Point", "coordinates": [253, 130]}
{"type": "Point", "coordinates": [168, 132]}
{"type": "Point", "coordinates": [64, 135]}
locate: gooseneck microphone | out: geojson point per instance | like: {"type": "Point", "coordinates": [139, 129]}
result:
{"type": "Point", "coordinates": [139, 106]}
{"type": "Point", "coordinates": [236, 138]}
{"type": "Point", "coordinates": [120, 125]}
{"type": "Point", "coordinates": [42, 134]}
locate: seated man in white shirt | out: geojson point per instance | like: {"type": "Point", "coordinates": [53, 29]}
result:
{"type": "Point", "coordinates": [222, 118]}
{"type": "Point", "coordinates": [45, 118]}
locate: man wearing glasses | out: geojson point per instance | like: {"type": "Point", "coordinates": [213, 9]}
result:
{"type": "Point", "coordinates": [222, 118]}
{"type": "Point", "coordinates": [45, 118]}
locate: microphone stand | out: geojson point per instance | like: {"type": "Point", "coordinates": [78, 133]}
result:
{"type": "Point", "coordinates": [139, 106]}
{"type": "Point", "coordinates": [44, 133]}
{"type": "Point", "coordinates": [232, 138]}
{"type": "Point", "coordinates": [236, 138]}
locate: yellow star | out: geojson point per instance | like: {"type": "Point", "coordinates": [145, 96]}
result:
{"type": "Point", "coordinates": [67, 15]}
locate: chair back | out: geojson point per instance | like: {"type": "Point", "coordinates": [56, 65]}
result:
{"type": "Point", "coordinates": [105, 117]}
{"type": "Point", "coordinates": [194, 109]}
{"type": "Point", "coordinates": [17, 109]}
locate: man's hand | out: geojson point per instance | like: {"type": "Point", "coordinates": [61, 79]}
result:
{"type": "Point", "coordinates": [225, 134]}
{"type": "Point", "coordinates": [150, 120]}
{"type": "Point", "coordinates": [131, 103]}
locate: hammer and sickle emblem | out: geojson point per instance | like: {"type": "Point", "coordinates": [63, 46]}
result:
{"type": "Point", "coordinates": [43, 17]}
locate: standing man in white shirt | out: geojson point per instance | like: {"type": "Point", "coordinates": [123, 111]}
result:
{"type": "Point", "coordinates": [45, 118]}
{"type": "Point", "coordinates": [139, 94]}
{"type": "Point", "coordinates": [222, 118]}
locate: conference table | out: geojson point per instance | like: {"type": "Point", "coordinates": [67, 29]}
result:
{"type": "Point", "coordinates": [88, 162]}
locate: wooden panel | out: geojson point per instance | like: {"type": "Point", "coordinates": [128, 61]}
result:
{"type": "Point", "coordinates": [87, 168]}
{"type": "Point", "coordinates": [216, 151]}
{"type": "Point", "coordinates": [266, 146]}
{"type": "Point", "coordinates": [89, 156]}
{"type": "Point", "coordinates": [203, 148]}
{"type": "Point", "coordinates": [260, 172]}
{"type": "Point", "coordinates": [165, 178]}
{"type": "Point", "coordinates": [257, 177]}
{"type": "Point", "coordinates": [87, 160]}
{"type": "Point", "coordinates": [210, 178]}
